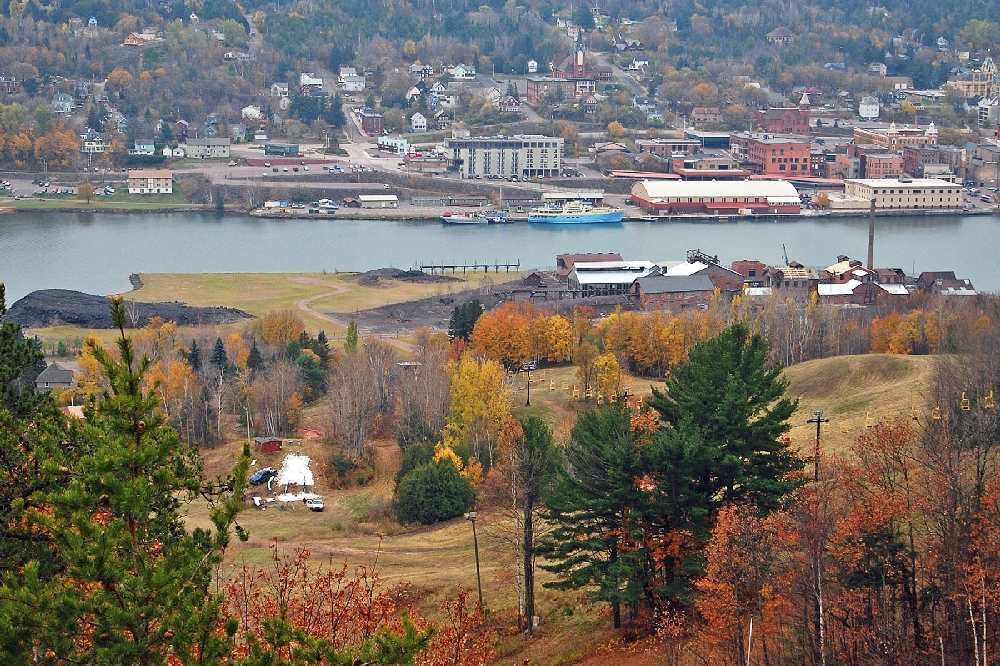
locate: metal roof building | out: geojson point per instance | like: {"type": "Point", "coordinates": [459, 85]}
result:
{"type": "Point", "coordinates": [740, 197]}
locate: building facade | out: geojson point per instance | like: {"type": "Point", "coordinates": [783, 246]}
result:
{"type": "Point", "coordinates": [524, 156]}
{"type": "Point", "coordinates": [773, 156]}
{"type": "Point", "coordinates": [741, 197]}
{"type": "Point", "coordinates": [208, 148]}
{"type": "Point", "coordinates": [906, 193]}
{"type": "Point", "coordinates": [150, 181]}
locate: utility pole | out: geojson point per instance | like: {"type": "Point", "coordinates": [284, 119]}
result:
{"type": "Point", "coordinates": [528, 367]}
{"type": "Point", "coordinates": [471, 517]}
{"type": "Point", "coordinates": [818, 420]}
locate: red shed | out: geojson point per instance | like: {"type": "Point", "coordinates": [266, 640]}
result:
{"type": "Point", "coordinates": [267, 444]}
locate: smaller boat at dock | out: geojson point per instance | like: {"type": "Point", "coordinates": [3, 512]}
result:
{"type": "Point", "coordinates": [469, 217]}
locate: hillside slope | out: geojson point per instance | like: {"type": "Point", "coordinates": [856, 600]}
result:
{"type": "Point", "coordinates": [850, 389]}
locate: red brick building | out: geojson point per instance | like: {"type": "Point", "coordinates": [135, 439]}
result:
{"type": "Point", "coordinates": [372, 121]}
{"type": "Point", "coordinates": [786, 120]}
{"type": "Point", "coordinates": [779, 157]}
{"type": "Point", "coordinates": [881, 165]}
{"type": "Point", "coordinates": [667, 292]}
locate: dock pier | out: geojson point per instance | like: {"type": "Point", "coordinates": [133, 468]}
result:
{"type": "Point", "coordinates": [475, 266]}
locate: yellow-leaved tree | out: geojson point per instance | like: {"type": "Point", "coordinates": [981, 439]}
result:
{"type": "Point", "coordinates": [480, 406]}
{"type": "Point", "coordinates": [609, 375]}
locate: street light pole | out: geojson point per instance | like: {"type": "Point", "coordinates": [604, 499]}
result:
{"type": "Point", "coordinates": [528, 367]}
{"type": "Point", "coordinates": [471, 517]}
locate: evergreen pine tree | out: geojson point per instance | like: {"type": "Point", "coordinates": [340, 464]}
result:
{"type": "Point", "coordinates": [726, 395]}
{"type": "Point", "coordinates": [219, 357]}
{"type": "Point", "coordinates": [464, 318]}
{"type": "Point", "coordinates": [595, 506]}
{"type": "Point", "coordinates": [255, 361]}
{"type": "Point", "coordinates": [135, 584]}
{"type": "Point", "coordinates": [194, 356]}
{"type": "Point", "coordinates": [21, 360]}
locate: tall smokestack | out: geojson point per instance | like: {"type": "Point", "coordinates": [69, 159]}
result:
{"type": "Point", "coordinates": [871, 236]}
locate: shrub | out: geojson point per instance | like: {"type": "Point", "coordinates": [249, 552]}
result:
{"type": "Point", "coordinates": [432, 493]}
{"type": "Point", "coordinates": [414, 456]}
{"type": "Point", "coordinates": [341, 464]}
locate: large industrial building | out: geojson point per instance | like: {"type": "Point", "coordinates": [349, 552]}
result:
{"type": "Point", "coordinates": [524, 156]}
{"type": "Point", "coordinates": [905, 193]}
{"type": "Point", "coordinates": [742, 197]}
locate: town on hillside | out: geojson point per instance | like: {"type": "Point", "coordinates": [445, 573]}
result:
{"type": "Point", "coordinates": [232, 109]}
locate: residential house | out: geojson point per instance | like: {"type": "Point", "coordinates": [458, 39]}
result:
{"type": "Point", "coordinates": [193, 18]}
{"type": "Point", "coordinates": [510, 104]}
{"type": "Point", "coordinates": [9, 84]}
{"type": "Point", "coordinates": [706, 115]}
{"type": "Point", "coordinates": [781, 35]}
{"type": "Point", "coordinates": [252, 113]}
{"type": "Point", "coordinates": [310, 79]}
{"type": "Point", "coordinates": [590, 104]}
{"type": "Point", "coordinates": [150, 181]}
{"type": "Point", "coordinates": [463, 72]}
{"type": "Point", "coordinates": [673, 292]}
{"type": "Point", "coordinates": [238, 133]}
{"type": "Point", "coordinates": [62, 104]}
{"type": "Point", "coordinates": [418, 122]}
{"type": "Point", "coordinates": [279, 89]}
{"type": "Point", "coordinates": [55, 376]}
{"type": "Point", "coordinates": [181, 130]}
{"type": "Point", "coordinates": [345, 72]}
{"type": "Point", "coordinates": [143, 147]}
{"type": "Point", "coordinates": [645, 104]}
{"type": "Point", "coordinates": [354, 83]}
{"type": "Point", "coordinates": [532, 67]}
{"type": "Point", "coordinates": [624, 44]}
{"type": "Point", "coordinates": [869, 108]}
{"type": "Point", "coordinates": [421, 72]}
{"type": "Point", "coordinates": [877, 69]}
{"type": "Point", "coordinates": [91, 142]}
{"type": "Point", "coordinates": [133, 39]}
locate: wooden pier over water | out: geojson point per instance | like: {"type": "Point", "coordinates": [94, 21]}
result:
{"type": "Point", "coordinates": [475, 266]}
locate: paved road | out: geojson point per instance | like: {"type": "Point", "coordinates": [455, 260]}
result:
{"type": "Point", "coordinates": [622, 76]}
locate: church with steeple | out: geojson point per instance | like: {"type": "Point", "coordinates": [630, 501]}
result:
{"type": "Point", "coordinates": [574, 64]}
{"type": "Point", "coordinates": [786, 120]}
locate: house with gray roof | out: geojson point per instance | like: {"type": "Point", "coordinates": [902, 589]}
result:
{"type": "Point", "coordinates": [55, 376]}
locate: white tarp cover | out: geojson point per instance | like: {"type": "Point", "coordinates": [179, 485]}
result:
{"type": "Point", "coordinates": [295, 470]}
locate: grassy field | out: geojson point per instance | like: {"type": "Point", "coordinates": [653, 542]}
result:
{"type": "Point", "coordinates": [307, 293]}
{"type": "Point", "coordinates": [852, 389]}
{"type": "Point", "coordinates": [120, 200]}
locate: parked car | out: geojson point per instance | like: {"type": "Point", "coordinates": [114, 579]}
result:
{"type": "Point", "coordinates": [315, 504]}
{"type": "Point", "coordinates": [263, 475]}
{"type": "Point", "coordinates": [267, 164]}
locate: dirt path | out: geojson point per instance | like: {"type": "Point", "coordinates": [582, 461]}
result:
{"type": "Point", "coordinates": [303, 304]}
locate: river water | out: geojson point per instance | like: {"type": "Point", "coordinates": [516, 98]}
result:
{"type": "Point", "coordinates": [95, 252]}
